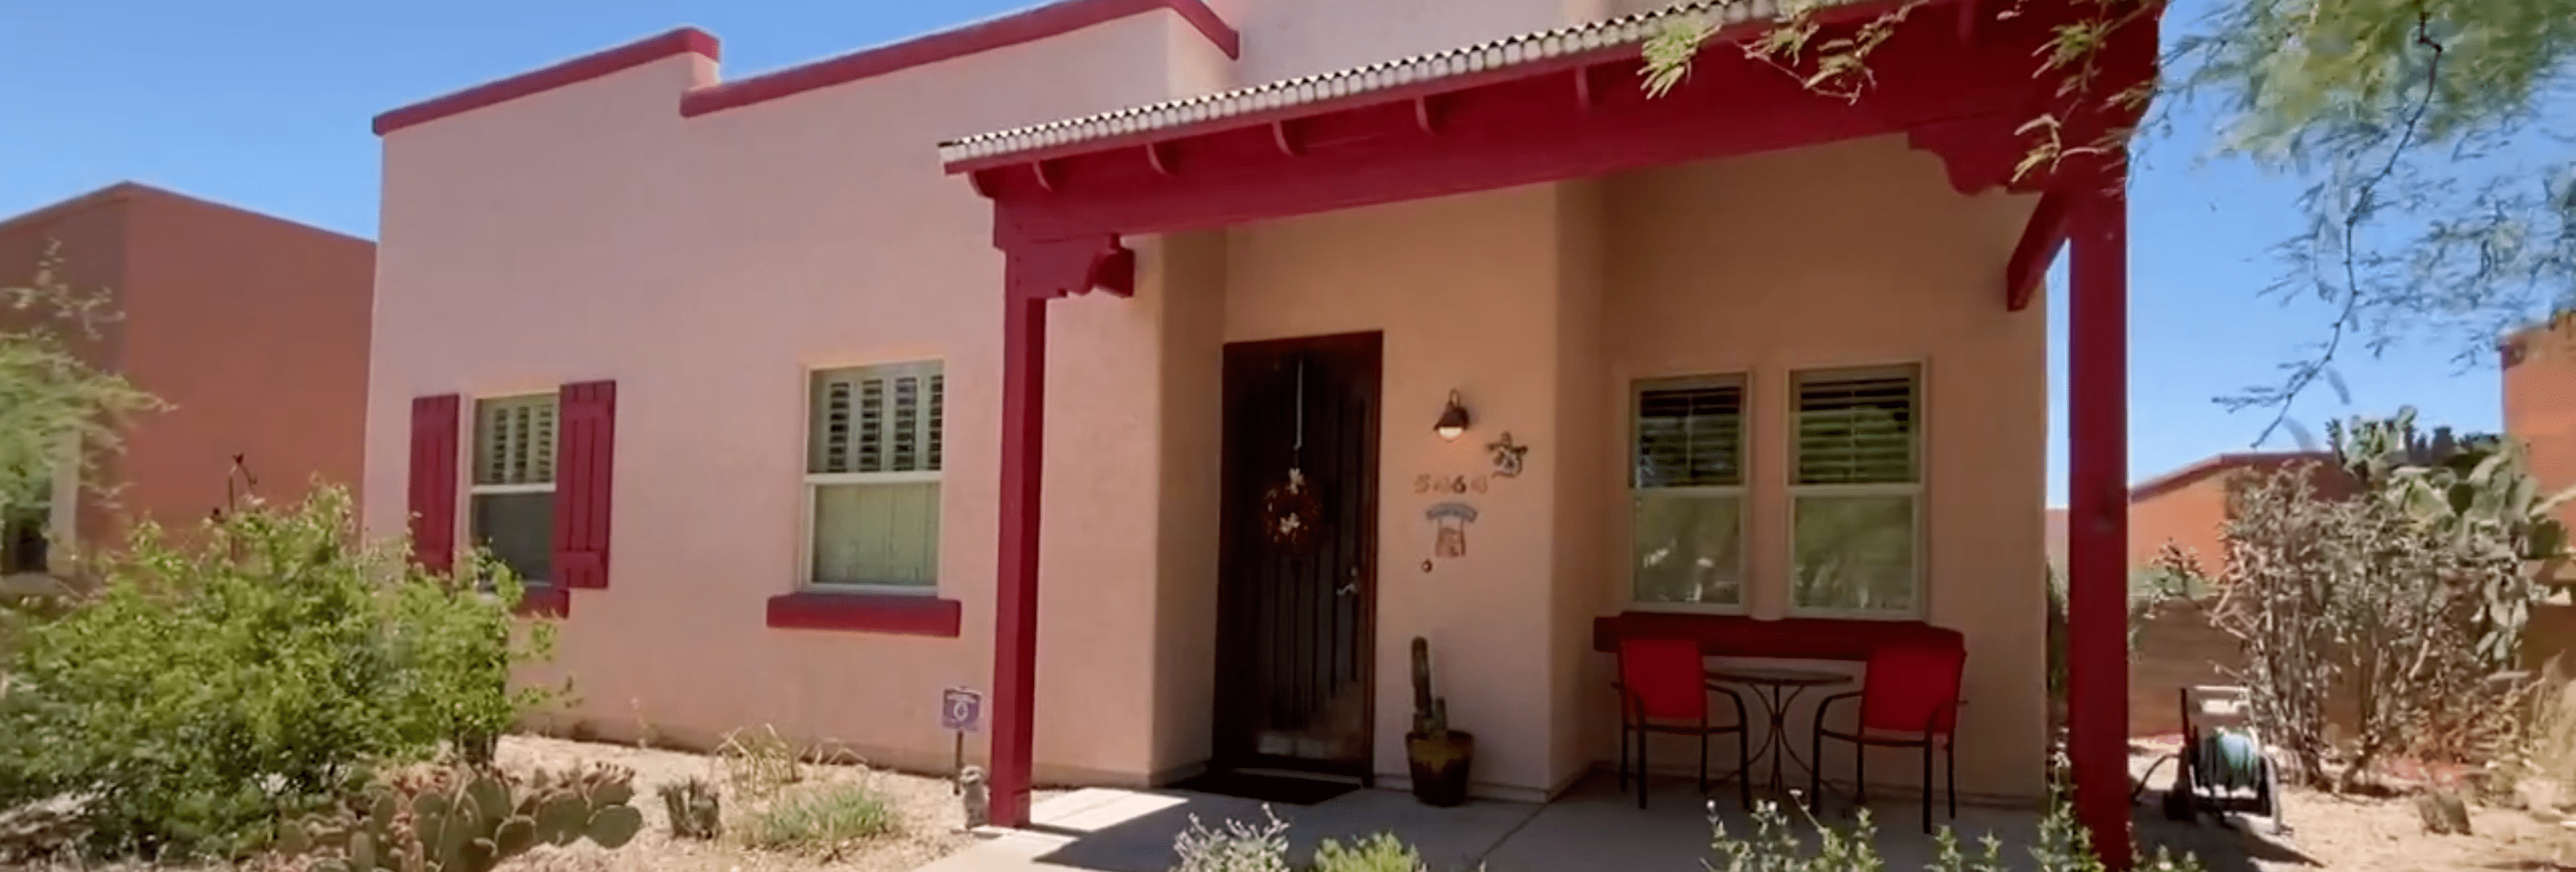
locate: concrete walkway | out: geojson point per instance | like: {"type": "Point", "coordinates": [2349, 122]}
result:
{"type": "Point", "coordinates": [1593, 828]}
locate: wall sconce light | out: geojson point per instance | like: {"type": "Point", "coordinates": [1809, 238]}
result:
{"type": "Point", "coordinates": [1453, 420]}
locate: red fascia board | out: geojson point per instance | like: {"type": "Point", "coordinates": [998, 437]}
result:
{"type": "Point", "coordinates": [883, 614]}
{"type": "Point", "coordinates": [1054, 19]}
{"type": "Point", "coordinates": [1419, 90]}
{"type": "Point", "coordinates": [686, 40]}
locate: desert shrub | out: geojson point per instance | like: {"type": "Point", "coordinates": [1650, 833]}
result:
{"type": "Point", "coordinates": [757, 763]}
{"type": "Point", "coordinates": [1238, 847]}
{"type": "Point", "coordinates": [2363, 603]}
{"type": "Point", "coordinates": [1379, 853]}
{"type": "Point", "coordinates": [819, 819]}
{"type": "Point", "coordinates": [262, 666]}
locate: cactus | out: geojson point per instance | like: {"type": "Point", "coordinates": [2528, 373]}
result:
{"type": "Point", "coordinates": [466, 820]}
{"type": "Point", "coordinates": [1430, 713]}
{"type": "Point", "coordinates": [693, 808]}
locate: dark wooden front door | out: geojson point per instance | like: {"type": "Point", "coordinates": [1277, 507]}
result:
{"type": "Point", "coordinates": [1295, 608]}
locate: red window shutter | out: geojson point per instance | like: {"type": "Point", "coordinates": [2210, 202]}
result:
{"type": "Point", "coordinates": [585, 466]}
{"type": "Point", "coordinates": [435, 428]}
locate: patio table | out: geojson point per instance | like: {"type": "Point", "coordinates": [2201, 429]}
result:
{"type": "Point", "coordinates": [1777, 687]}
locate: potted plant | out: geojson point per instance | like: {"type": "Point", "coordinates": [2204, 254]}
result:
{"type": "Point", "coordinates": [1439, 756]}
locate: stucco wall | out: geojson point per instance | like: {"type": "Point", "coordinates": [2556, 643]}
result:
{"type": "Point", "coordinates": [590, 232]}
{"type": "Point", "coordinates": [251, 330]}
{"type": "Point", "coordinates": [1858, 254]}
{"type": "Point", "coordinates": [1290, 38]}
{"type": "Point", "coordinates": [254, 331]}
{"type": "Point", "coordinates": [1466, 292]}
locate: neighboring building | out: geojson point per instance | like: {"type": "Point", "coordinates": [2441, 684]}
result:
{"type": "Point", "coordinates": [251, 329]}
{"type": "Point", "coordinates": [2190, 506]}
{"type": "Point", "coordinates": [2539, 385]}
{"type": "Point", "coordinates": [737, 370]}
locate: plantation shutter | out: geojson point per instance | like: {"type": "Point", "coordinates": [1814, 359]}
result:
{"type": "Point", "coordinates": [585, 466]}
{"type": "Point", "coordinates": [515, 441]}
{"type": "Point", "coordinates": [1856, 427]}
{"type": "Point", "coordinates": [1690, 436]}
{"type": "Point", "coordinates": [878, 419]}
{"type": "Point", "coordinates": [435, 425]}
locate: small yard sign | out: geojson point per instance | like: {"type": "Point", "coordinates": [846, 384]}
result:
{"type": "Point", "coordinates": [961, 710]}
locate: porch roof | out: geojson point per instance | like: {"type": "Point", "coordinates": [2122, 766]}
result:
{"type": "Point", "coordinates": [1621, 33]}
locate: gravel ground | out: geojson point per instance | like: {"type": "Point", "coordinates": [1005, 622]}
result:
{"type": "Point", "coordinates": [930, 819]}
{"type": "Point", "coordinates": [2361, 834]}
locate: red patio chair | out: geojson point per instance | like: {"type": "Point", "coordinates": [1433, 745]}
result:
{"type": "Point", "coordinates": [1908, 699]}
{"type": "Point", "coordinates": [1663, 688]}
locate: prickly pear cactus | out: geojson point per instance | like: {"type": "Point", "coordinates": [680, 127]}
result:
{"type": "Point", "coordinates": [693, 809]}
{"type": "Point", "coordinates": [466, 819]}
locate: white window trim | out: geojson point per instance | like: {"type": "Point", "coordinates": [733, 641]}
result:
{"type": "Point", "coordinates": [1919, 560]}
{"type": "Point", "coordinates": [1743, 382]}
{"type": "Point", "coordinates": [62, 510]}
{"type": "Point", "coordinates": [814, 482]}
{"type": "Point", "coordinates": [471, 448]}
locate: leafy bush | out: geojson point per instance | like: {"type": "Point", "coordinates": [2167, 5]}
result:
{"type": "Point", "coordinates": [820, 819]}
{"type": "Point", "coordinates": [1379, 853]}
{"type": "Point", "coordinates": [260, 668]}
{"type": "Point", "coordinates": [2364, 602]}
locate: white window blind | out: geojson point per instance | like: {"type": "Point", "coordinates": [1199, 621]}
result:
{"type": "Point", "coordinates": [873, 455]}
{"type": "Point", "coordinates": [877, 419]}
{"type": "Point", "coordinates": [1688, 477]}
{"type": "Point", "coordinates": [1856, 427]}
{"type": "Point", "coordinates": [1690, 436]}
{"type": "Point", "coordinates": [512, 502]}
{"type": "Point", "coordinates": [514, 440]}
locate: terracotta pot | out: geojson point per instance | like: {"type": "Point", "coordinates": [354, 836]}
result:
{"type": "Point", "coordinates": [1440, 767]}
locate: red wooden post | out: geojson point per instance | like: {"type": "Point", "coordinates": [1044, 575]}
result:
{"type": "Point", "coordinates": [1015, 601]}
{"type": "Point", "coordinates": [2097, 404]}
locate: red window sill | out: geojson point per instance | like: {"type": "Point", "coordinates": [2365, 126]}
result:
{"type": "Point", "coordinates": [545, 601]}
{"type": "Point", "coordinates": [888, 614]}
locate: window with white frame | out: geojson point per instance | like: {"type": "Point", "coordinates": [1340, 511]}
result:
{"type": "Point", "coordinates": [1687, 486]}
{"type": "Point", "coordinates": [36, 526]}
{"type": "Point", "coordinates": [872, 477]}
{"type": "Point", "coordinates": [513, 495]}
{"type": "Point", "coordinates": [1855, 492]}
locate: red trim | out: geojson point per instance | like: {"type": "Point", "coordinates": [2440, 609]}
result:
{"type": "Point", "coordinates": [585, 471]}
{"type": "Point", "coordinates": [545, 601]}
{"type": "Point", "coordinates": [686, 40]}
{"type": "Point", "coordinates": [1625, 56]}
{"type": "Point", "coordinates": [1793, 638]}
{"type": "Point", "coordinates": [887, 614]}
{"type": "Point", "coordinates": [1035, 24]}
{"type": "Point", "coordinates": [2097, 388]}
{"type": "Point", "coordinates": [1528, 126]}
{"type": "Point", "coordinates": [1015, 600]}
{"type": "Point", "coordinates": [436, 423]}
{"type": "Point", "coordinates": [2040, 241]}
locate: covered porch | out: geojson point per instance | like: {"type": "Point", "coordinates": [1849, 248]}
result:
{"type": "Point", "coordinates": [1533, 165]}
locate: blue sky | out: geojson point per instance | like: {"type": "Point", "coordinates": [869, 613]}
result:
{"type": "Point", "coordinates": [265, 104]}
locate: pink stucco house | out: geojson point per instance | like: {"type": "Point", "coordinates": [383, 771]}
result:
{"type": "Point", "coordinates": [785, 358]}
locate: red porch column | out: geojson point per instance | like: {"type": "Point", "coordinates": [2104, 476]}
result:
{"type": "Point", "coordinates": [2097, 411]}
{"type": "Point", "coordinates": [1033, 273]}
{"type": "Point", "coordinates": [1015, 601]}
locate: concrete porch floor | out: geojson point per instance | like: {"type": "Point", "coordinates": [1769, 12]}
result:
{"type": "Point", "coordinates": [1593, 827]}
